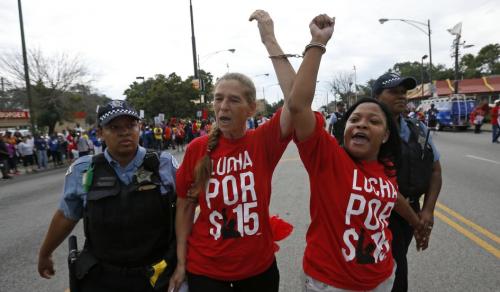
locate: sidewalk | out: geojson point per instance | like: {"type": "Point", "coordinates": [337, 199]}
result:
{"type": "Point", "coordinates": [485, 127]}
{"type": "Point", "coordinates": [23, 173]}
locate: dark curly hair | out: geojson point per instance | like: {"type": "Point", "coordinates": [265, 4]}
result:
{"type": "Point", "coordinates": [390, 151]}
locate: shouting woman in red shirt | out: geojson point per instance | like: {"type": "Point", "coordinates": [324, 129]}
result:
{"type": "Point", "coordinates": [228, 174]}
{"type": "Point", "coordinates": [348, 240]}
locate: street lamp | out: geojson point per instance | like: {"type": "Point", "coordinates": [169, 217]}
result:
{"type": "Point", "coordinates": [216, 52]}
{"type": "Point", "coordinates": [422, 71]}
{"type": "Point", "coordinates": [418, 25]}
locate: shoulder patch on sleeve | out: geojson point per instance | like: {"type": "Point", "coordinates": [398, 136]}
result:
{"type": "Point", "coordinates": [70, 170]}
{"type": "Point", "coordinates": [82, 161]}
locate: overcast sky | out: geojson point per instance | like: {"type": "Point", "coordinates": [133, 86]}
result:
{"type": "Point", "coordinates": [122, 39]}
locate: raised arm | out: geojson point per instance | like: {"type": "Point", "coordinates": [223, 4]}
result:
{"type": "Point", "coordinates": [282, 67]}
{"type": "Point", "coordinates": [302, 93]}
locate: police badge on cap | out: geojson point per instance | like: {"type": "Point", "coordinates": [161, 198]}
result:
{"type": "Point", "coordinates": [114, 109]}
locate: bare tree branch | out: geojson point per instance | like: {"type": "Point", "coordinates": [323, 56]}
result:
{"type": "Point", "coordinates": [58, 72]}
{"type": "Point", "coordinates": [341, 84]}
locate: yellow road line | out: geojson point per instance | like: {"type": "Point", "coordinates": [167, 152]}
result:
{"type": "Point", "coordinates": [489, 248]}
{"type": "Point", "coordinates": [473, 225]}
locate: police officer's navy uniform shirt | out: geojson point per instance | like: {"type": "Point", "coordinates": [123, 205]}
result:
{"type": "Point", "coordinates": [404, 133]}
{"type": "Point", "coordinates": [74, 198]}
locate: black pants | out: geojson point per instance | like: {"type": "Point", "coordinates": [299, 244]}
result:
{"type": "Point", "coordinates": [402, 235]}
{"type": "Point", "coordinates": [268, 281]}
{"type": "Point", "coordinates": [477, 129]}
{"type": "Point", "coordinates": [4, 168]}
{"type": "Point", "coordinates": [100, 280]}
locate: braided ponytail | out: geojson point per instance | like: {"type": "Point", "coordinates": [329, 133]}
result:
{"type": "Point", "coordinates": [204, 166]}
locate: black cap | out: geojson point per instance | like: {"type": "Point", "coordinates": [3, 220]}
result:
{"type": "Point", "coordinates": [391, 80]}
{"type": "Point", "coordinates": [114, 109]}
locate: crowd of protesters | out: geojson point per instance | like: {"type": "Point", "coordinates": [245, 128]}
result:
{"type": "Point", "coordinates": [31, 153]}
{"type": "Point", "coordinates": [173, 134]}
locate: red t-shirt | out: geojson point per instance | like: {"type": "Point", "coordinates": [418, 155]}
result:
{"type": "Point", "coordinates": [348, 241]}
{"type": "Point", "coordinates": [494, 115]}
{"type": "Point", "coordinates": [231, 239]}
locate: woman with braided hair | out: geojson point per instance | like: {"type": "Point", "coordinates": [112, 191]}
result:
{"type": "Point", "coordinates": [228, 174]}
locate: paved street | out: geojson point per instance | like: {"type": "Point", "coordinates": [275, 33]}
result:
{"type": "Point", "coordinates": [464, 252]}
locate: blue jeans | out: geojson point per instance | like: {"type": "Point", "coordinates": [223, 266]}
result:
{"type": "Point", "coordinates": [42, 158]}
{"type": "Point", "coordinates": [495, 133]}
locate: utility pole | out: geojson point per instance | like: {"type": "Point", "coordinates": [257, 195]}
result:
{"type": "Point", "coordinates": [26, 68]}
{"type": "Point", "coordinates": [457, 32]}
{"type": "Point", "coordinates": [457, 43]}
{"type": "Point", "coordinates": [197, 76]}
{"type": "Point", "coordinates": [422, 76]}
{"type": "Point", "coordinates": [193, 41]}
{"type": "Point", "coordinates": [433, 90]}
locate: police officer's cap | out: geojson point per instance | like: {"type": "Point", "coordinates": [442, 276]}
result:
{"type": "Point", "coordinates": [391, 80]}
{"type": "Point", "coordinates": [114, 109]}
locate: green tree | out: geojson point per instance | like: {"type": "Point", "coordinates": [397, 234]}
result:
{"type": "Point", "coordinates": [469, 67]}
{"type": "Point", "coordinates": [415, 70]}
{"type": "Point", "coordinates": [485, 63]}
{"type": "Point", "coordinates": [83, 98]}
{"type": "Point", "coordinates": [440, 72]}
{"type": "Point", "coordinates": [272, 108]}
{"type": "Point", "coordinates": [170, 95]}
{"type": "Point", "coordinates": [488, 59]}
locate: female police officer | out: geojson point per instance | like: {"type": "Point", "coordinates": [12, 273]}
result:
{"type": "Point", "coordinates": [125, 196]}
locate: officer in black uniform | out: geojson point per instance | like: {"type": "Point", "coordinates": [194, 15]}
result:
{"type": "Point", "coordinates": [126, 197]}
{"type": "Point", "coordinates": [418, 172]}
{"type": "Point", "coordinates": [337, 123]}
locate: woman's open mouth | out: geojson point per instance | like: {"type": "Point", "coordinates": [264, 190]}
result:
{"type": "Point", "coordinates": [360, 138]}
{"type": "Point", "coordinates": [224, 120]}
